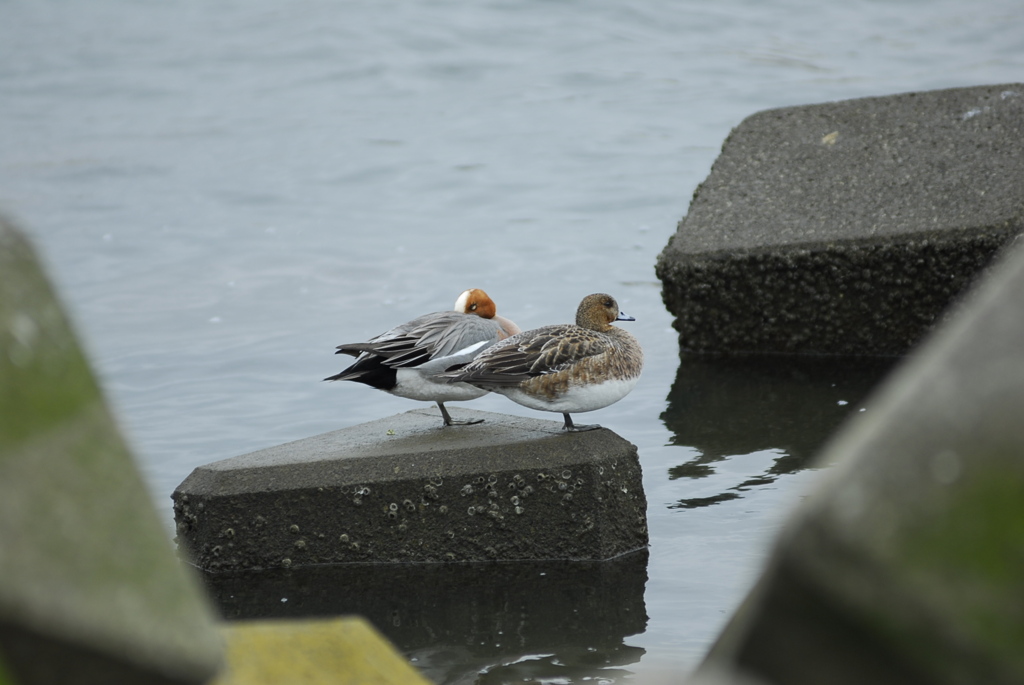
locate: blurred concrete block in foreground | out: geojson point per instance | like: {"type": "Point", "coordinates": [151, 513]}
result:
{"type": "Point", "coordinates": [340, 651]}
{"type": "Point", "coordinates": [847, 228]}
{"type": "Point", "coordinates": [906, 565]}
{"type": "Point", "coordinates": [91, 589]}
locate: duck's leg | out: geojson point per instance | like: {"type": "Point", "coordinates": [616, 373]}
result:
{"type": "Point", "coordinates": [448, 421]}
{"type": "Point", "coordinates": [570, 426]}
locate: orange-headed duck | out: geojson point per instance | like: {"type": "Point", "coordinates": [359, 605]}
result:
{"type": "Point", "coordinates": [405, 360]}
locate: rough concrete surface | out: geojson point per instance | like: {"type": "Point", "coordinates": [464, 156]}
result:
{"type": "Point", "coordinates": [401, 489]}
{"type": "Point", "coordinates": [91, 589]}
{"type": "Point", "coordinates": [847, 228]}
{"type": "Point", "coordinates": [904, 565]}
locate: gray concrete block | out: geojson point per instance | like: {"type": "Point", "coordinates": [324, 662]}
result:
{"type": "Point", "coordinates": [847, 228]}
{"type": "Point", "coordinates": [904, 565]}
{"type": "Point", "coordinates": [400, 489]}
{"type": "Point", "coordinates": [91, 590]}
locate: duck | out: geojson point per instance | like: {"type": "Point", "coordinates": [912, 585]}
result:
{"type": "Point", "coordinates": [566, 368]}
{"type": "Point", "coordinates": [406, 360]}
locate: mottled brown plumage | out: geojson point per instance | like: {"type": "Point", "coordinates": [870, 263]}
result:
{"type": "Point", "coordinates": [563, 368]}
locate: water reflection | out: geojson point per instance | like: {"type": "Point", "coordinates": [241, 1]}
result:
{"type": "Point", "coordinates": [783, 407]}
{"type": "Point", "coordinates": [470, 623]}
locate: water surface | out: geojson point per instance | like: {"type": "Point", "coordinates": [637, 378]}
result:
{"type": "Point", "coordinates": [224, 192]}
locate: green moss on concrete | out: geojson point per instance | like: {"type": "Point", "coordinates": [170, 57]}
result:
{"type": "Point", "coordinates": [45, 378]}
{"type": "Point", "coordinates": [85, 560]}
{"type": "Point", "coordinates": [979, 534]}
{"type": "Point", "coordinates": [342, 651]}
{"type": "Point", "coordinates": [968, 558]}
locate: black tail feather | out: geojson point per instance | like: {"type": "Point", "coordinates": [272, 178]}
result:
{"type": "Point", "coordinates": [370, 371]}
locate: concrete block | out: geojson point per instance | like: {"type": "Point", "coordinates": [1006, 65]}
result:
{"type": "Point", "coordinates": [904, 565]}
{"type": "Point", "coordinates": [91, 591]}
{"type": "Point", "coordinates": [847, 228]}
{"type": "Point", "coordinates": [402, 489]}
{"type": "Point", "coordinates": [339, 651]}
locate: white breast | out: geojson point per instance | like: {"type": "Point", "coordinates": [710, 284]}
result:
{"type": "Point", "coordinates": [579, 398]}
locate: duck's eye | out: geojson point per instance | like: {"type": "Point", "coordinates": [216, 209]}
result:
{"type": "Point", "coordinates": [608, 303]}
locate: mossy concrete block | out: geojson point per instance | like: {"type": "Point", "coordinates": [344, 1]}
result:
{"type": "Point", "coordinates": [847, 228]}
{"type": "Point", "coordinates": [339, 651]}
{"type": "Point", "coordinates": [905, 565]}
{"type": "Point", "coordinates": [92, 591]}
{"type": "Point", "coordinates": [402, 489]}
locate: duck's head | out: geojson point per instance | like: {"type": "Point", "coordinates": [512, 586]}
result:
{"type": "Point", "coordinates": [476, 301]}
{"type": "Point", "coordinates": [598, 311]}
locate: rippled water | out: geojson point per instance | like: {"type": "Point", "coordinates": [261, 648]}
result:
{"type": "Point", "coordinates": [226, 191]}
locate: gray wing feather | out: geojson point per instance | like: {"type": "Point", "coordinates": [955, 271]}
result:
{"type": "Point", "coordinates": [433, 336]}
